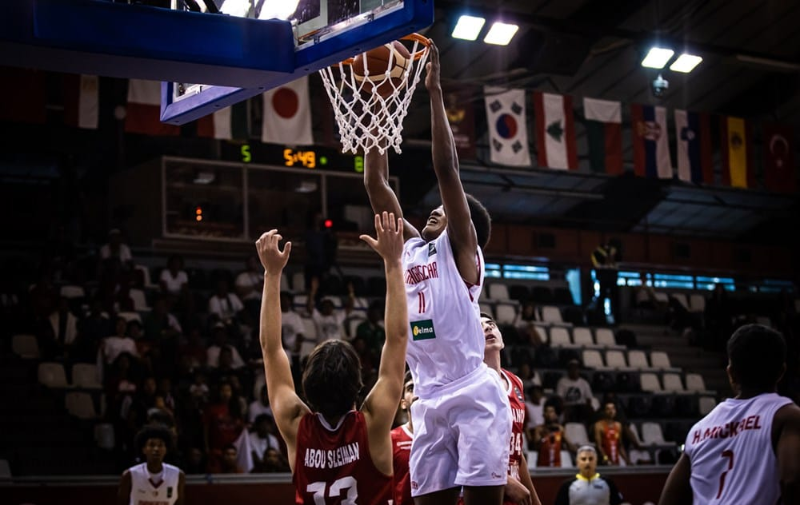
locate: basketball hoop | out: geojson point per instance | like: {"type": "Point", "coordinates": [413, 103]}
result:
{"type": "Point", "coordinates": [374, 118]}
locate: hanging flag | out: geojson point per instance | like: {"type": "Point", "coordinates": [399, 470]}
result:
{"type": "Point", "coordinates": [227, 124]}
{"type": "Point", "coordinates": [24, 95]}
{"type": "Point", "coordinates": [693, 134]}
{"type": "Point", "coordinates": [604, 132]}
{"type": "Point", "coordinates": [81, 101]}
{"type": "Point", "coordinates": [780, 172]}
{"type": "Point", "coordinates": [143, 114]}
{"type": "Point", "coordinates": [650, 147]}
{"type": "Point", "coordinates": [508, 131]}
{"type": "Point", "coordinates": [737, 164]}
{"type": "Point", "coordinates": [461, 116]}
{"type": "Point", "coordinates": [555, 131]}
{"type": "Point", "coordinates": [287, 114]}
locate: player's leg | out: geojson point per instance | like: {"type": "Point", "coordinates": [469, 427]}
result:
{"type": "Point", "coordinates": [482, 495]}
{"type": "Point", "coordinates": [444, 497]}
{"type": "Point", "coordinates": [433, 463]}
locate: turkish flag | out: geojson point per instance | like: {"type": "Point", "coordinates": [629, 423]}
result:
{"type": "Point", "coordinates": [780, 172]}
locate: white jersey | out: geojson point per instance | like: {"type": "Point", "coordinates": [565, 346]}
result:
{"type": "Point", "coordinates": [145, 491]}
{"type": "Point", "coordinates": [731, 453]}
{"type": "Point", "coordinates": [446, 340]}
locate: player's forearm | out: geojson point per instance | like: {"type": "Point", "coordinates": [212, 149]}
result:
{"type": "Point", "coordinates": [396, 319]}
{"type": "Point", "coordinates": [270, 325]}
{"type": "Point", "coordinates": [445, 161]}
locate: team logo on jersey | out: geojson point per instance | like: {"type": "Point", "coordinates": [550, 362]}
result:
{"type": "Point", "coordinates": [422, 330]}
{"type": "Point", "coordinates": [169, 492]}
{"type": "Point", "coordinates": [519, 394]}
{"type": "Point", "coordinates": [431, 249]}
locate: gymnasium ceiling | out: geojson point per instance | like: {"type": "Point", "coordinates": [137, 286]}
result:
{"type": "Point", "coordinates": [593, 48]}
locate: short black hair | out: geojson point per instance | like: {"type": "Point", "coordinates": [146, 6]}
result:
{"type": "Point", "coordinates": [757, 355]}
{"type": "Point", "coordinates": [407, 377]}
{"type": "Point", "coordinates": [332, 378]}
{"type": "Point", "coordinates": [481, 220]}
{"type": "Point", "coordinates": [150, 431]}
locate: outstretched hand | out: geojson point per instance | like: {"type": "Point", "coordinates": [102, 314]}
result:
{"type": "Point", "coordinates": [272, 258]}
{"type": "Point", "coordinates": [389, 232]}
{"type": "Point", "coordinates": [432, 79]}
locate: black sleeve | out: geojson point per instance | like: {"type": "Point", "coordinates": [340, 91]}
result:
{"type": "Point", "coordinates": [614, 496]}
{"type": "Point", "coordinates": [562, 498]}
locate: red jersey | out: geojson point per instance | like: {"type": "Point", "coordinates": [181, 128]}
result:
{"type": "Point", "coordinates": [333, 465]}
{"type": "Point", "coordinates": [550, 449]}
{"type": "Point", "coordinates": [401, 450]}
{"type": "Point", "coordinates": [610, 434]}
{"type": "Point", "coordinates": [517, 401]}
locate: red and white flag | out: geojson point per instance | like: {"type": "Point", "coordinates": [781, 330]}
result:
{"type": "Point", "coordinates": [780, 171]}
{"type": "Point", "coordinates": [81, 101]}
{"type": "Point", "coordinates": [143, 114]}
{"type": "Point", "coordinates": [287, 114]}
{"type": "Point", "coordinates": [555, 131]}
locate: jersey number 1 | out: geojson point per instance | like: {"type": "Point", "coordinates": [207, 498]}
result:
{"type": "Point", "coordinates": [729, 455]}
{"type": "Point", "coordinates": [421, 299]}
{"type": "Point", "coordinates": [318, 488]}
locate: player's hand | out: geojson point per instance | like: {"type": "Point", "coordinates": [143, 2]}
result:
{"type": "Point", "coordinates": [517, 493]}
{"type": "Point", "coordinates": [389, 233]}
{"type": "Point", "coordinates": [432, 81]}
{"type": "Point", "coordinates": [272, 258]}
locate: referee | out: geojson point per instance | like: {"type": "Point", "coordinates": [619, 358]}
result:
{"type": "Point", "coordinates": [588, 487]}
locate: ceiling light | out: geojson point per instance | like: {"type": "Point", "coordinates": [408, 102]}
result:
{"type": "Point", "coordinates": [278, 9]}
{"type": "Point", "coordinates": [685, 63]}
{"type": "Point", "coordinates": [657, 57]}
{"type": "Point", "coordinates": [468, 28]}
{"type": "Point", "coordinates": [500, 33]}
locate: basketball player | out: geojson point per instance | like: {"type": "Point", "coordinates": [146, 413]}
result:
{"type": "Point", "coordinates": [402, 436]}
{"type": "Point", "coordinates": [462, 408]}
{"type": "Point", "coordinates": [152, 482]}
{"type": "Point", "coordinates": [746, 450]}
{"type": "Point", "coordinates": [519, 488]}
{"type": "Point", "coordinates": [338, 455]}
{"type": "Point", "coordinates": [549, 438]}
{"type": "Point", "coordinates": [608, 437]}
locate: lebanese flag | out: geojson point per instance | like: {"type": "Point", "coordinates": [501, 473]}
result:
{"type": "Point", "coordinates": [227, 124]}
{"type": "Point", "coordinates": [693, 132]}
{"type": "Point", "coordinates": [780, 172]}
{"type": "Point", "coordinates": [650, 144]}
{"type": "Point", "coordinates": [737, 153]}
{"type": "Point", "coordinates": [143, 114]}
{"type": "Point", "coordinates": [604, 132]}
{"type": "Point", "coordinates": [508, 129]}
{"type": "Point", "coordinates": [81, 101]}
{"type": "Point", "coordinates": [287, 114]}
{"type": "Point", "coordinates": [24, 95]}
{"type": "Point", "coordinates": [555, 131]}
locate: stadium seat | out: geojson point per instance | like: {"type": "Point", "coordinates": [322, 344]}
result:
{"type": "Point", "coordinates": [663, 406]}
{"type": "Point", "coordinates": [144, 274]}
{"type": "Point", "coordinates": [104, 436]}
{"type": "Point", "coordinates": [672, 383]}
{"type": "Point", "coordinates": [707, 404]}
{"type": "Point", "coordinates": [519, 292]}
{"type": "Point", "coordinates": [285, 283]}
{"type": "Point", "coordinates": [139, 300]}
{"type": "Point", "coordinates": [640, 457]}
{"type": "Point", "coordinates": [697, 303]}
{"type": "Point", "coordinates": [544, 332]}
{"type": "Point", "coordinates": [52, 375]}
{"type": "Point", "coordinates": [695, 383]}
{"type": "Point", "coordinates": [681, 298]}
{"type": "Point", "coordinates": [650, 383]}
{"type": "Point", "coordinates": [638, 359]}
{"type": "Point", "coordinates": [593, 359]}
{"type": "Point", "coordinates": [86, 376]}
{"type": "Point", "coordinates": [602, 382]}
{"type": "Point", "coordinates": [498, 292]}
{"type": "Point", "coordinates": [70, 292]}
{"type": "Point", "coordinates": [582, 336]}
{"type": "Point", "coordinates": [559, 337]}
{"type": "Point", "coordinates": [661, 298]}
{"type": "Point", "coordinates": [551, 314]}
{"type": "Point", "coordinates": [635, 431]}
{"type": "Point", "coordinates": [639, 406]}
{"type": "Point", "coordinates": [5, 470]}
{"type": "Point", "coordinates": [131, 316]}
{"type": "Point", "coordinates": [576, 432]}
{"type": "Point", "coordinates": [80, 405]}
{"type": "Point", "coordinates": [566, 460]}
{"type": "Point", "coordinates": [542, 294]}
{"type": "Point", "coordinates": [533, 457]}
{"type": "Point", "coordinates": [299, 282]}
{"type": "Point", "coordinates": [660, 360]}
{"type": "Point", "coordinates": [605, 337]}
{"type": "Point", "coordinates": [486, 308]}
{"type": "Point", "coordinates": [506, 314]}
{"type": "Point", "coordinates": [616, 360]}
{"type": "Point", "coordinates": [25, 346]}
{"type": "Point", "coordinates": [300, 302]}
{"type": "Point", "coordinates": [652, 434]}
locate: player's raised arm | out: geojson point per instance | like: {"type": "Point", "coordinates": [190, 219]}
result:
{"type": "Point", "coordinates": [286, 405]}
{"type": "Point", "coordinates": [380, 192]}
{"type": "Point", "coordinates": [381, 403]}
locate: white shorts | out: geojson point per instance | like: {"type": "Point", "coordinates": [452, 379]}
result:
{"type": "Point", "coordinates": [461, 436]}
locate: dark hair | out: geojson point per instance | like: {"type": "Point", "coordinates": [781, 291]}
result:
{"type": "Point", "coordinates": [552, 402]}
{"type": "Point", "coordinates": [332, 378]}
{"type": "Point", "coordinates": [757, 355]}
{"type": "Point", "coordinates": [155, 430]}
{"type": "Point", "coordinates": [407, 377]}
{"type": "Point", "coordinates": [481, 220]}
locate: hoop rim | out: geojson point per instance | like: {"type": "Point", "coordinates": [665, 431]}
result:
{"type": "Point", "coordinates": [413, 37]}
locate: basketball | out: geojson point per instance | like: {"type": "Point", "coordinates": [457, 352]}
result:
{"type": "Point", "coordinates": [372, 68]}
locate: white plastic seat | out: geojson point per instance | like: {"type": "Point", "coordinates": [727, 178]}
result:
{"type": "Point", "coordinates": [672, 383]}
{"type": "Point", "coordinates": [660, 360]}
{"type": "Point", "coordinates": [505, 313]}
{"type": "Point", "coordinates": [582, 336]}
{"type": "Point", "coordinates": [544, 332]}
{"type": "Point", "coordinates": [605, 337]}
{"type": "Point", "coordinates": [86, 376]}
{"type": "Point", "coordinates": [299, 282]}
{"type": "Point", "coordinates": [638, 359]}
{"type": "Point", "coordinates": [652, 434]}
{"type": "Point", "coordinates": [285, 283]}
{"type": "Point", "coordinates": [551, 314]}
{"type": "Point", "coordinates": [662, 298]}
{"type": "Point", "coordinates": [697, 303]}
{"type": "Point", "coordinates": [706, 405]}
{"type": "Point", "coordinates": [695, 383]}
{"type": "Point", "coordinates": [635, 431]}
{"type": "Point", "coordinates": [139, 300]}
{"type": "Point", "coordinates": [533, 458]}
{"type": "Point", "coordinates": [615, 359]}
{"type": "Point", "coordinates": [649, 382]}
{"type": "Point", "coordinates": [486, 308]}
{"type": "Point", "coordinates": [145, 275]}
{"type": "Point", "coordinates": [25, 346]}
{"type": "Point", "coordinates": [80, 405]}
{"type": "Point", "coordinates": [131, 316]}
{"type": "Point", "coordinates": [576, 432]}
{"type": "Point", "coordinates": [72, 292]}
{"type": "Point", "coordinates": [593, 359]}
{"type": "Point", "coordinates": [681, 298]}
{"type": "Point", "coordinates": [52, 375]}
{"type": "Point", "coordinates": [638, 456]}
{"type": "Point", "coordinates": [566, 460]}
{"type": "Point", "coordinates": [498, 292]}
{"type": "Point", "coordinates": [559, 337]}
{"type": "Point", "coordinates": [104, 436]}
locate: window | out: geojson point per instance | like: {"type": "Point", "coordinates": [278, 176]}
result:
{"type": "Point", "coordinates": [709, 282]}
{"type": "Point", "coordinates": [775, 286]}
{"type": "Point", "coordinates": [493, 270]}
{"type": "Point", "coordinates": [673, 281]}
{"type": "Point", "coordinates": [632, 279]}
{"type": "Point", "coordinates": [529, 272]}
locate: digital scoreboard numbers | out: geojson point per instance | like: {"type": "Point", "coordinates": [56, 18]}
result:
{"type": "Point", "coordinates": [319, 157]}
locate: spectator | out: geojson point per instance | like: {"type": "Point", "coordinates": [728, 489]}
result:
{"type": "Point", "coordinates": [260, 407]}
{"type": "Point", "coordinates": [96, 325]}
{"type": "Point", "coordinates": [111, 347]}
{"type": "Point", "coordinates": [64, 327]}
{"type": "Point", "coordinates": [588, 487]}
{"type": "Point", "coordinates": [194, 350]}
{"type": "Point", "coordinates": [173, 279]}
{"type": "Point", "coordinates": [198, 391]}
{"type": "Point", "coordinates": [605, 260]}
{"type": "Point", "coordinates": [230, 460]}
{"type": "Point", "coordinates": [534, 406]}
{"type": "Point", "coordinates": [222, 425]}
{"type": "Point", "coordinates": [115, 249]}
{"type": "Point", "coordinates": [195, 462]}
{"type": "Point", "coordinates": [220, 336]}
{"type": "Point", "coordinates": [274, 462]}
{"type": "Point", "coordinates": [524, 322]}
{"type": "Point", "coordinates": [159, 324]}
{"type": "Point", "coordinates": [225, 305]}
{"type": "Point", "coordinates": [250, 283]}
{"type": "Point", "coordinates": [529, 376]}
{"type": "Point", "coordinates": [576, 394]}
{"type": "Point", "coordinates": [608, 437]}
{"type": "Point", "coordinates": [329, 322]}
{"type": "Point", "coordinates": [261, 439]}
{"type": "Point", "coordinates": [291, 330]}
{"type": "Point", "coordinates": [371, 330]}
{"type": "Point", "coordinates": [549, 438]}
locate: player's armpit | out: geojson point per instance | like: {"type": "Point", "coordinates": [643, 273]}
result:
{"type": "Point", "coordinates": [678, 489]}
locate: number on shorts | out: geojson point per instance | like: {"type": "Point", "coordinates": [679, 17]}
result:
{"type": "Point", "coordinates": [318, 488]}
{"type": "Point", "coordinates": [421, 299]}
{"type": "Point", "coordinates": [729, 455]}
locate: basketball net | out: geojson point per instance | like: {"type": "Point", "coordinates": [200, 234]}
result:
{"type": "Point", "coordinates": [366, 119]}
